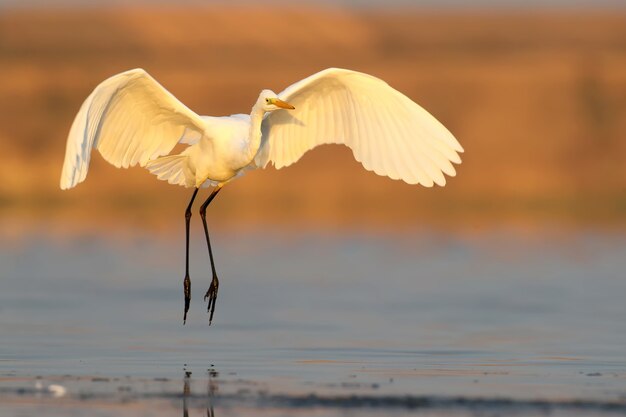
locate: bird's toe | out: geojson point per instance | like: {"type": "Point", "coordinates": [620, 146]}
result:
{"type": "Point", "coordinates": [211, 295]}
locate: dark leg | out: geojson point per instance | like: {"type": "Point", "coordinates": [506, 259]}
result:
{"type": "Point", "coordinates": [187, 281]}
{"type": "Point", "coordinates": [211, 293]}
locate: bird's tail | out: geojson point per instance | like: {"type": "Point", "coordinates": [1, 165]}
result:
{"type": "Point", "coordinates": [173, 169]}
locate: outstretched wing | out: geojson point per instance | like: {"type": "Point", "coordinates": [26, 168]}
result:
{"type": "Point", "coordinates": [130, 118]}
{"type": "Point", "coordinates": [387, 132]}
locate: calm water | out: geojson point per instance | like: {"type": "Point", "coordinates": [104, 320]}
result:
{"type": "Point", "coordinates": [432, 323]}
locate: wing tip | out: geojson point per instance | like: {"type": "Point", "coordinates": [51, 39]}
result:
{"type": "Point", "coordinates": [131, 71]}
{"type": "Point", "coordinates": [67, 183]}
{"type": "Point", "coordinates": [70, 181]}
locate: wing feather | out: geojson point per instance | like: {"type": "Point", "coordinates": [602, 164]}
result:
{"type": "Point", "coordinates": [131, 119]}
{"type": "Point", "coordinates": [387, 132]}
{"type": "Point", "coordinates": [398, 147]}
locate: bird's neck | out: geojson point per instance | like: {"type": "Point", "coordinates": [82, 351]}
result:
{"type": "Point", "coordinates": [254, 138]}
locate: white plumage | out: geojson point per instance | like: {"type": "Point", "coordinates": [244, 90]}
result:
{"type": "Point", "coordinates": [387, 132]}
{"type": "Point", "coordinates": [131, 119]}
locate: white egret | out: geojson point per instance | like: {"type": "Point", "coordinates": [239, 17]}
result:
{"type": "Point", "coordinates": [131, 119]}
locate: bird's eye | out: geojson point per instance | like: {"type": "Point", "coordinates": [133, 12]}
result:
{"type": "Point", "coordinates": [267, 100]}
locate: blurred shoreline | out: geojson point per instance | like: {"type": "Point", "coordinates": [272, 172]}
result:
{"type": "Point", "coordinates": [538, 100]}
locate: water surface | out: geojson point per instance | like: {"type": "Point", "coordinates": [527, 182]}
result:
{"type": "Point", "coordinates": [316, 324]}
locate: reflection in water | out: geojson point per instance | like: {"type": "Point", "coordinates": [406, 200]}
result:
{"type": "Point", "coordinates": [186, 393]}
{"type": "Point", "coordinates": [211, 390]}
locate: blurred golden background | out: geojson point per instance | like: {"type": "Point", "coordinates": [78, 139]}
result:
{"type": "Point", "coordinates": [538, 100]}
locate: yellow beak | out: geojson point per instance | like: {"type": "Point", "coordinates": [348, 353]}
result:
{"type": "Point", "coordinates": [282, 104]}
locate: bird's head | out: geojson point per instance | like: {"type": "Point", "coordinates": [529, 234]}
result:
{"type": "Point", "coordinates": [269, 101]}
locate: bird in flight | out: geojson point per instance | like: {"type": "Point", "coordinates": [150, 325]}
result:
{"type": "Point", "coordinates": [132, 119]}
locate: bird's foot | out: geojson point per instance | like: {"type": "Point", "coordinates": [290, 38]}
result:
{"type": "Point", "coordinates": [187, 290]}
{"type": "Point", "coordinates": [211, 294]}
